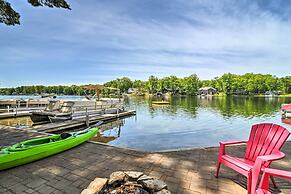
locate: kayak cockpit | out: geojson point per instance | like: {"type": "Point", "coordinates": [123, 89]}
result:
{"type": "Point", "coordinates": [47, 140]}
{"type": "Point", "coordinates": [37, 142]}
{"type": "Point", "coordinates": [65, 135]}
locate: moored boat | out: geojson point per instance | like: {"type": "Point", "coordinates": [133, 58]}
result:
{"type": "Point", "coordinates": [113, 110]}
{"type": "Point", "coordinates": [38, 148]}
{"type": "Point", "coordinates": [286, 121]}
{"type": "Point", "coordinates": [52, 110]}
{"type": "Point", "coordinates": [45, 95]}
{"type": "Point", "coordinates": [54, 119]}
{"type": "Point", "coordinates": [160, 102]}
{"type": "Point", "coordinates": [286, 110]}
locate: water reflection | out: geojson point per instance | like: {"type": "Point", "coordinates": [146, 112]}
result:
{"type": "Point", "coordinates": [109, 131]}
{"type": "Point", "coordinates": [246, 106]}
{"type": "Point", "coordinates": [226, 106]}
{"type": "Point", "coordinates": [20, 122]}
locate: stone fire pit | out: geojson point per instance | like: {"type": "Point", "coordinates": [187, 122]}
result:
{"type": "Point", "coordinates": [127, 182]}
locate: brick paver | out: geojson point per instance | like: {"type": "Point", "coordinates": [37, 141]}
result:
{"type": "Point", "coordinates": [11, 135]}
{"type": "Point", "coordinates": [188, 171]}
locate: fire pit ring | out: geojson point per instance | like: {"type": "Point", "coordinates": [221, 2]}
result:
{"type": "Point", "coordinates": [127, 182]}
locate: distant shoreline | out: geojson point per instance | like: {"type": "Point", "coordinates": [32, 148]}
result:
{"type": "Point", "coordinates": [152, 95]}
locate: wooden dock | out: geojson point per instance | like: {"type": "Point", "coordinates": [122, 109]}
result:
{"type": "Point", "coordinates": [84, 113]}
{"type": "Point", "coordinates": [21, 112]}
{"type": "Point", "coordinates": [13, 108]}
{"type": "Point", "coordinates": [10, 104]}
{"type": "Point", "coordinates": [12, 135]}
{"type": "Point", "coordinates": [79, 122]}
{"type": "Point", "coordinates": [14, 114]}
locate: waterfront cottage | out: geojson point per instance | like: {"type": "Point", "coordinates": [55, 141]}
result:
{"type": "Point", "coordinates": [207, 91]}
{"type": "Point", "coordinates": [131, 90]}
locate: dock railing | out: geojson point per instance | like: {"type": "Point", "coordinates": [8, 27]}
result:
{"type": "Point", "coordinates": [80, 108]}
{"type": "Point", "coordinates": [97, 105]}
{"type": "Point", "coordinates": [7, 106]}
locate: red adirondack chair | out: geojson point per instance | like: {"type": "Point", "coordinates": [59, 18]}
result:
{"type": "Point", "coordinates": [264, 185]}
{"type": "Point", "coordinates": [263, 147]}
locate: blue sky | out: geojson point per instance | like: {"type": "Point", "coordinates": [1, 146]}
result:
{"type": "Point", "coordinates": [98, 41]}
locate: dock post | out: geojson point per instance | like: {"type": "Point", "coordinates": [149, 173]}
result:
{"type": "Point", "coordinates": [15, 112]}
{"type": "Point", "coordinates": [8, 108]}
{"type": "Point", "coordinates": [87, 118]}
{"type": "Point", "coordinates": [119, 94]}
{"type": "Point", "coordinates": [119, 130]}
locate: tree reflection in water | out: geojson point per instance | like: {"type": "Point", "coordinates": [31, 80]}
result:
{"type": "Point", "coordinates": [227, 106]}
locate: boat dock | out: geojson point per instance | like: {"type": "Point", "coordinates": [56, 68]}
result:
{"type": "Point", "coordinates": [84, 113]}
{"type": "Point", "coordinates": [79, 122]}
{"type": "Point", "coordinates": [20, 104]}
{"type": "Point", "coordinates": [12, 135]}
{"type": "Point", "coordinates": [14, 114]}
{"type": "Point", "coordinates": [20, 108]}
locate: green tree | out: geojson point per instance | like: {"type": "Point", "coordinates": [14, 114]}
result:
{"type": "Point", "coordinates": [190, 85]}
{"type": "Point", "coordinates": [174, 84]}
{"type": "Point", "coordinates": [152, 84]}
{"type": "Point", "coordinates": [139, 85]}
{"type": "Point", "coordinates": [9, 16]}
{"type": "Point", "coordinates": [285, 84]}
{"type": "Point", "coordinates": [123, 84]}
{"type": "Point", "coordinates": [226, 81]}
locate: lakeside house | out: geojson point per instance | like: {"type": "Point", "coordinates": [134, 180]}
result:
{"type": "Point", "coordinates": [207, 91]}
{"type": "Point", "coordinates": [131, 90]}
{"type": "Point", "coordinates": [272, 93]}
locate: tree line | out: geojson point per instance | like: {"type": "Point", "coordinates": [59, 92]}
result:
{"type": "Point", "coordinates": [250, 83]}
{"type": "Point", "coordinates": [247, 84]}
{"type": "Point", "coordinates": [40, 89]}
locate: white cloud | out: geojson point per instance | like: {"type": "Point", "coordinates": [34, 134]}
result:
{"type": "Point", "coordinates": [204, 37]}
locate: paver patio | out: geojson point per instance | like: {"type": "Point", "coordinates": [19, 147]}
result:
{"type": "Point", "coordinates": [189, 171]}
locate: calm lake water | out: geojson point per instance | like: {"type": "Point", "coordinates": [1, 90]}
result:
{"type": "Point", "coordinates": [189, 122]}
{"type": "Point", "coordinates": [195, 122]}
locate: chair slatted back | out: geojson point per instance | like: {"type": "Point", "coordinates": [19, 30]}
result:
{"type": "Point", "coordinates": [265, 139]}
{"type": "Point", "coordinates": [67, 107]}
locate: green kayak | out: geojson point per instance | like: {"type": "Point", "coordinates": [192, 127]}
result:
{"type": "Point", "coordinates": [35, 149]}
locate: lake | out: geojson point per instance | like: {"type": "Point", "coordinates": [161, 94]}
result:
{"type": "Point", "coordinates": [194, 122]}
{"type": "Point", "coordinates": [189, 122]}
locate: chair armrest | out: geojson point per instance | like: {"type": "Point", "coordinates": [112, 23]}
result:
{"type": "Point", "coordinates": [231, 142]}
{"type": "Point", "coordinates": [278, 173]}
{"type": "Point", "coordinates": [276, 156]}
{"type": "Point", "coordinates": [259, 163]}
{"type": "Point", "coordinates": [264, 184]}
{"type": "Point", "coordinates": [225, 143]}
